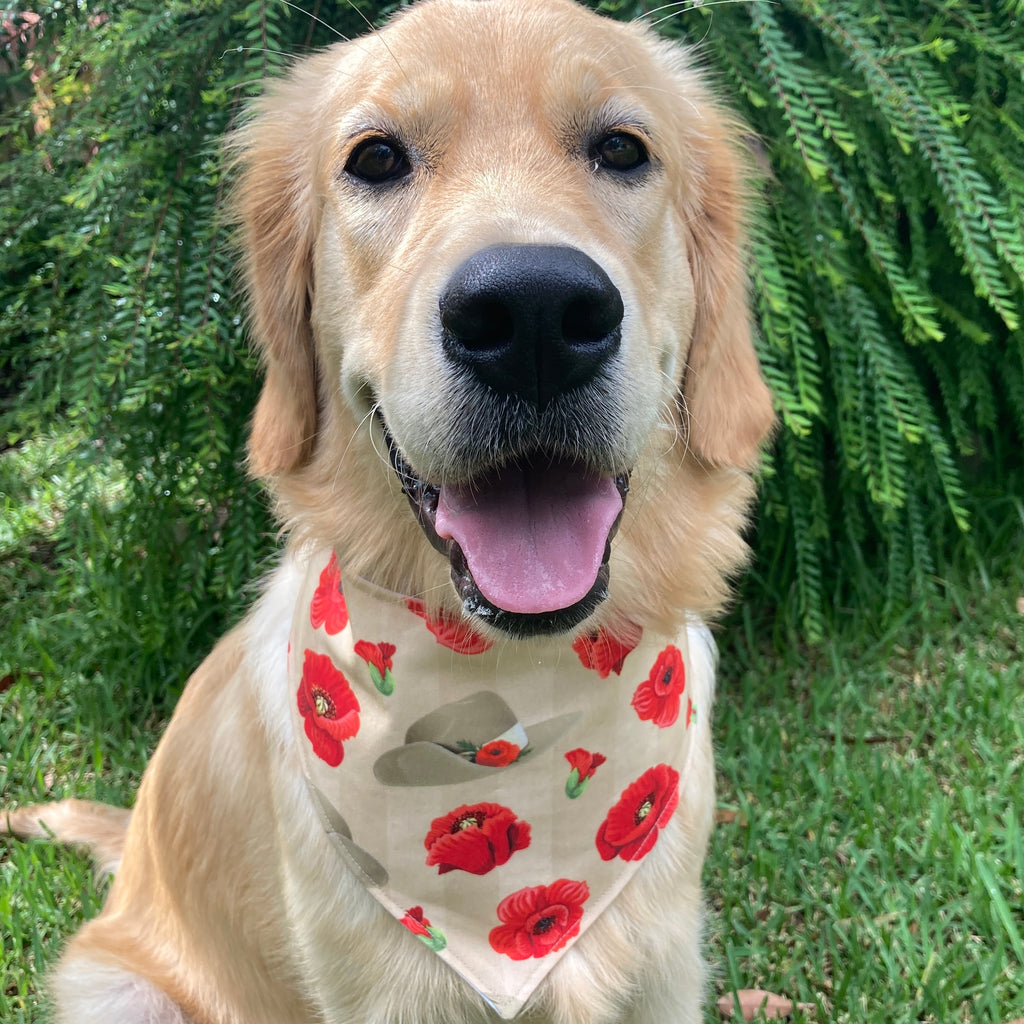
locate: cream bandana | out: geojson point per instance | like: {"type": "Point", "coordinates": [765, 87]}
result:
{"type": "Point", "coordinates": [494, 797]}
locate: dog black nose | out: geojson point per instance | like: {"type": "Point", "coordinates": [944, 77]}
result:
{"type": "Point", "coordinates": [531, 320]}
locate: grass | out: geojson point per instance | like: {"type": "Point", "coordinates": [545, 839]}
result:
{"type": "Point", "coordinates": [874, 866]}
{"type": "Point", "coordinates": [873, 862]}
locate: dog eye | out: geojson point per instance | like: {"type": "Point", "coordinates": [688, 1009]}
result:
{"type": "Point", "coordinates": [377, 160]}
{"type": "Point", "coordinates": [619, 151]}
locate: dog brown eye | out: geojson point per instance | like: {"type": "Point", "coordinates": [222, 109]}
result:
{"type": "Point", "coordinates": [378, 160]}
{"type": "Point", "coordinates": [619, 151]}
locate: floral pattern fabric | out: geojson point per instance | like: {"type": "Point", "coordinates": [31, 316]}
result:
{"type": "Point", "coordinates": [497, 754]}
{"type": "Point", "coordinates": [456, 635]}
{"type": "Point", "coordinates": [645, 807]}
{"type": "Point", "coordinates": [475, 839]}
{"type": "Point", "coordinates": [539, 920]}
{"type": "Point", "coordinates": [582, 765]}
{"type": "Point", "coordinates": [433, 938]}
{"type": "Point", "coordinates": [658, 698]}
{"type": "Point", "coordinates": [505, 877]}
{"type": "Point", "coordinates": [328, 608]}
{"type": "Point", "coordinates": [606, 652]}
{"type": "Point", "coordinates": [329, 708]}
{"type": "Point", "coordinates": [378, 661]}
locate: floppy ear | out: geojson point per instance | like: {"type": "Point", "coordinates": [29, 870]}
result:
{"type": "Point", "coordinates": [273, 205]}
{"type": "Point", "coordinates": [727, 404]}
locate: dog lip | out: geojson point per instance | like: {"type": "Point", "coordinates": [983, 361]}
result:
{"type": "Point", "coordinates": [423, 499]}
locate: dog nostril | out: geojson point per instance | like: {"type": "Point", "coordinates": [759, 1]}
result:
{"type": "Point", "coordinates": [479, 325]}
{"type": "Point", "coordinates": [589, 320]}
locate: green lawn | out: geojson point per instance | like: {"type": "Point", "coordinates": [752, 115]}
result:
{"type": "Point", "coordinates": [873, 862]}
{"type": "Point", "coordinates": [876, 863]}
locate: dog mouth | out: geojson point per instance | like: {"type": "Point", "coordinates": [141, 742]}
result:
{"type": "Point", "coordinates": [528, 543]}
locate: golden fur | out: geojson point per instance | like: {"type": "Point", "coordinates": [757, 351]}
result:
{"type": "Point", "coordinates": [229, 904]}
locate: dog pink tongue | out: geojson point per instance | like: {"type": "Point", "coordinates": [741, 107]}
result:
{"type": "Point", "coordinates": [534, 540]}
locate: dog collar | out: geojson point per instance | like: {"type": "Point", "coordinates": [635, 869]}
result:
{"type": "Point", "coordinates": [495, 797]}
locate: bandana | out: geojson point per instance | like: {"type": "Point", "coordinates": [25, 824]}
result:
{"type": "Point", "coordinates": [494, 797]}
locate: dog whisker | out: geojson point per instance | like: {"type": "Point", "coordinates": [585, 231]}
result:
{"type": "Point", "coordinates": [681, 7]}
{"type": "Point", "coordinates": [341, 36]}
{"type": "Point", "coordinates": [669, 17]}
{"type": "Point", "coordinates": [367, 421]}
{"type": "Point", "coordinates": [253, 49]}
{"type": "Point", "coordinates": [319, 21]}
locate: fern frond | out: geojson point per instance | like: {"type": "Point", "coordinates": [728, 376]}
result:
{"type": "Point", "coordinates": [789, 350]}
{"type": "Point", "coordinates": [805, 105]}
{"type": "Point", "coordinates": [979, 230]}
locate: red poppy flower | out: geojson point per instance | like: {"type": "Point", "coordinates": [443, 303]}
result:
{"type": "Point", "coordinates": [475, 838]}
{"type": "Point", "coordinates": [631, 828]}
{"type": "Point", "coordinates": [415, 921]}
{"type": "Point", "coordinates": [328, 707]}
{"type": "Point", "coordinates": [497, 754]}
{"type": "Point", "coordinates": [378, 661]}
{"type": "Point", "coordinates": [691, 712]}
{"type": "Point", "coordinates": [421, 927]}
{"type": "Point", "coordinates": [450, 631]}
{"type": "Point", "coordinates": [658, 697]}
{"type": "Point", "coordinates": [540, 919]}
{"type": "Point", "coordinates": [328, 608]}
{"type": "Point", "coordinates": [582, 764]}
{"type": "Point", "coordinates": [605, 652]}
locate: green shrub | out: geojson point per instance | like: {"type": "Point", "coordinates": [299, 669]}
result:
{"type": "Point", "coordinates": [887, 266]}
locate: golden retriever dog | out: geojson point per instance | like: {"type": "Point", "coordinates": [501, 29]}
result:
{"type": "Point", "coordinates": [495, 259]}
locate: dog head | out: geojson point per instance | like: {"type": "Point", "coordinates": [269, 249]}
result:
{"type": "Point", "coordinates": [494, 258]}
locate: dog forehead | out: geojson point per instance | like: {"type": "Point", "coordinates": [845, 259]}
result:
{"type": "Point", "coordinates": [526, 26]}
{"type": "Point", "coordinates": [442, 62]}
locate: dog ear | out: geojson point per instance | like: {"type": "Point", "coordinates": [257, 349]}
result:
{"type": "Point", "coordinates": [727, 405]}
{"type": "Point", "coordinates": [273, 206]}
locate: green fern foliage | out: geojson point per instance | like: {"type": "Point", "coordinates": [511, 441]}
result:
{"type": "Point", "coordinates": [119, 320]}
{"type": "Point", "coordinates": [887, 268]}
{"type": "Point", "coordinates": [888, 274]}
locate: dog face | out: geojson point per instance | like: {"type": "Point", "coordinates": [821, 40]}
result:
{"type": "Point", "coordinates": [493, 253]}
